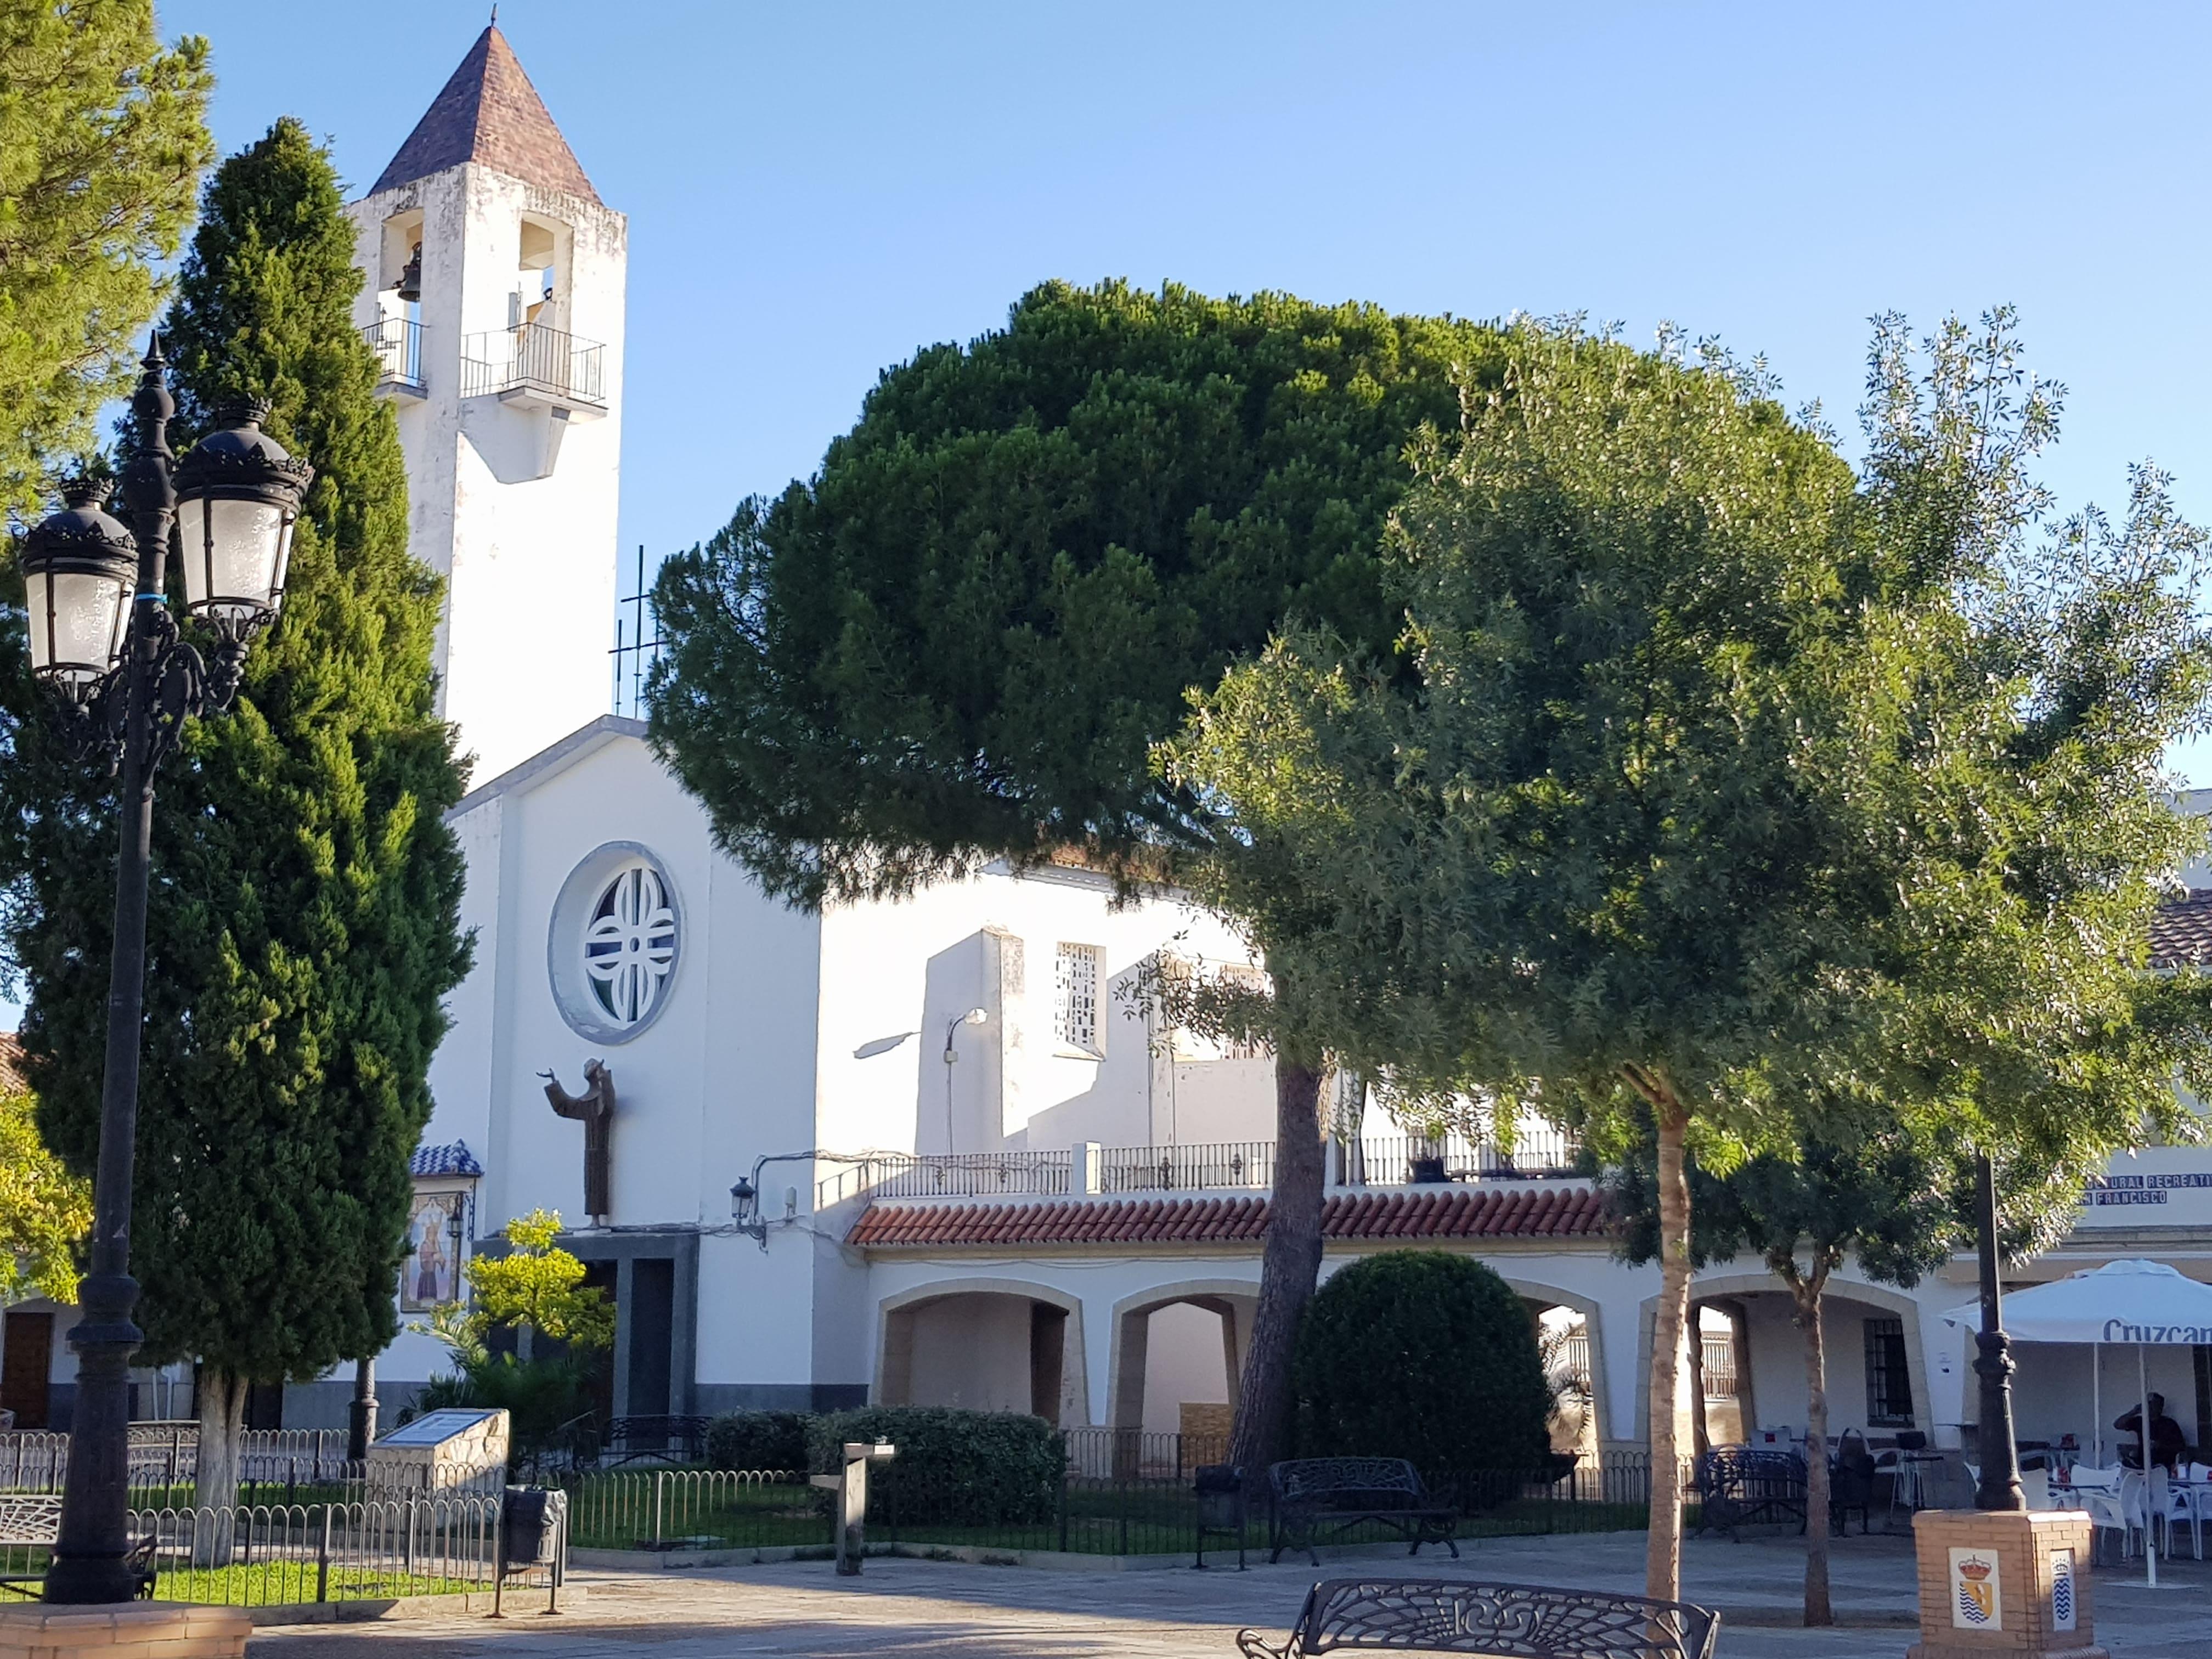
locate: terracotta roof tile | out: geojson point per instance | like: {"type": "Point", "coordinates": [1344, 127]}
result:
{"type": "Point", "coordinates": [11, 1062]}
{"type": "Point", "coordinates": [2181, 932]}
{"type": "Point", "coordinates": [1413, 1214]}
{"type": "Point", "coordinates": [489, 113]}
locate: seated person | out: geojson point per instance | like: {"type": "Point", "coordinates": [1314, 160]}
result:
{"type": "Point", "coordinates": [2167, 1445]}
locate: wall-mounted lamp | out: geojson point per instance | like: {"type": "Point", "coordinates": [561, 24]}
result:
{"type": "Point", "coordinates": [744, 1210]}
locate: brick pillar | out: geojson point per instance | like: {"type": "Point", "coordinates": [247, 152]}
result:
{"type": "Point", "coordinates": [2004, 1582]}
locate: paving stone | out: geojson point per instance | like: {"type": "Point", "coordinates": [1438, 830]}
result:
{"type": "Point", "coordinates": [911, 1609]}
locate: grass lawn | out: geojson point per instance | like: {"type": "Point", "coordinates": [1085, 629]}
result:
{"type": "Point", "coordinates": [1101, 1520]}
{"type": "Point", "coordinates": [264, 1583]}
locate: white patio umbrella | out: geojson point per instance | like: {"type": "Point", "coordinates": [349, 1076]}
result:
{"type": "Point", "coordinates": [2145, 1305]}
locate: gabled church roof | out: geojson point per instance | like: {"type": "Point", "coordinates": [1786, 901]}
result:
{"type": "Point", "coordinates": [490, 114]}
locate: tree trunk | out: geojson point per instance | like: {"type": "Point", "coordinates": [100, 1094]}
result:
{"type": "Point", "coordinates": [1288, 1267]}
{"type": "Point", "coordinates": [1806, 1295]}
{"type": "Point", "coordinates": [1662, 1557]}
{"type": "Point", "coordinates": [222, 1431]}
{"type": "Point", "coordinates": [1700, 1429]}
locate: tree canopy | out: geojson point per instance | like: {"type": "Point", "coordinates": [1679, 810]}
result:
{"type": "Point", "coordinates": [1720, 784]}
{"type": "Point", "coordinates": [960, 639]}
{"type": "Point", "coordinates": [303, 918]}
{"type": "Point", "coordinates": [44, 1210]}
{"type": "Point", "coordinates": [103, 138]}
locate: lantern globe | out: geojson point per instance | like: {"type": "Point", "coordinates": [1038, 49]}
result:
{"type": "Point", "coordinates": [79, 567]}
{"type": "Point", "coordinates": [238, 498]}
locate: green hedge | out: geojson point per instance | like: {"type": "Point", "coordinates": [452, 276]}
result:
{"type": "Point", "coordinates": [1422, 1355]}
{"type": "Point", "coordinates": [758, 1440]}
{"type": "Point", "coordinates": [954, 1467]}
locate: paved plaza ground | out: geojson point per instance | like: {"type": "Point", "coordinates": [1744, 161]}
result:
{"type": "Point", "coordinates": [909, 1609]}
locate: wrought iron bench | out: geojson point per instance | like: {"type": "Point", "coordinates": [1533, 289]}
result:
{"type": "Point", "coordinates": [1526, 1621]}
{"type": "Point", "coordinates": [1740, 1486]}
{"type": "Point", "coordinates": [34, 1519]}
{"type": "Point", "coordinates": [1306, 1494]}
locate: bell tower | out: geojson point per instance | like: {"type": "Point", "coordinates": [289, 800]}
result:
{"type": "Point", "coordinates": [494, 299]}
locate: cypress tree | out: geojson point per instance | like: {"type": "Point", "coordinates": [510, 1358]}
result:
{"type": "Point", "coordinates": [303, 926]}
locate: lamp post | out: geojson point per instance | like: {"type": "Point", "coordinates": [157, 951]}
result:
{"type": "Point", "coordinates": [972, 1017]}
{"type": "Point", "coordinates": [102, 638]}
{"type": "Point", "coordinates": [2000, 1483]}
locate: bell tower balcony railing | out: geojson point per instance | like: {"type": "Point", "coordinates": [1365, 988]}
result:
{"type": "Point", "coordinates": [397, 344]}
{"type": "Point", "coordinates": [536, 367]}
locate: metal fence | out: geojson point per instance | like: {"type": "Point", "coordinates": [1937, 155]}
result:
{"type": "Point", "coordinates": [954, 1175]}
{"type": "Point", "coordinates": [530, 357]}
{"type": "Point", "coordinates": [1539, 1151]}
{"type": "Point", "coordinates": [1119, 1493]}
{"type": "Point", "coordinates": [397, 344]}
{"type": "Point", "coordinates": [164, 1457]}
{"type": "Point", "coordinates": [1203, 1166]}
{"type": "Point", "coordinates": [270, 1555]}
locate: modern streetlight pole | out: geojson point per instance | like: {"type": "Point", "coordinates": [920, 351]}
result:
{"type": "Point", "coordinates": [101, 635]}
{"type": "Point", "coordinates": [2000, 1483]}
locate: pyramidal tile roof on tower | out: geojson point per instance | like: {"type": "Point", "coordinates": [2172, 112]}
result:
{"type": "Point", "coordinates": [1435, 1213]}
{"type": "Point", "coordinates": [489, 113]}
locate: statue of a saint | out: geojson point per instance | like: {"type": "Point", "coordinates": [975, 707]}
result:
{"type": "Point", "coordinates": [595, 1109]}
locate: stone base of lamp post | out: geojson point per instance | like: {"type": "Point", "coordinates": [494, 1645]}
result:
{"type": "Point", "coordinates": [2004, 1582]}
{"type": "Point", "coordinates": [139, 1630]}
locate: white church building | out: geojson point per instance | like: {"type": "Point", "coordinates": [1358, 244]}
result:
{"type": "Point", "coordinates": [980, 1171]}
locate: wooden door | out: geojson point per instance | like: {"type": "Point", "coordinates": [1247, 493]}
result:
{"type": "Point", "coordinates": [25, 1367]}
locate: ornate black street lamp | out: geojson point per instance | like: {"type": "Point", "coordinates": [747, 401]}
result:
{"type": "Point", "coordinates": [102, 637]}
{"type": "Point", "coordinates": [2000, 1483]}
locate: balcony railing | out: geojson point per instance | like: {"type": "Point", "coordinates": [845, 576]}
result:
{"type": "Point", "coordinates": [959, 1175]}
{"type": "Point", "coordinates": [533, 361]}
{"type": "Point", "coordinates": [1205, 1166]}
{"type": "Point", "coordinates": [1538, 1152]}
{"type": "Point", "coordinates": [397, 344]}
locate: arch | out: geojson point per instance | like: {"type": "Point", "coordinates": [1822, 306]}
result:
{"type": "Point", "coordinates": [1234, 1300]}
{"type": "Point", "coordinates": [1705, 1287]}
{"type": "Point", "coordinates": [894, 1317]}
{"type": "Point", "coordinates": [1593, 1313]}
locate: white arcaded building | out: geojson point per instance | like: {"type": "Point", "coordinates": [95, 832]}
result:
{"type": "Point", "coordinates": [987, 1174]}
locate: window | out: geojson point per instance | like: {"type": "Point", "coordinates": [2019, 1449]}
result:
{"type": "Point", "coordinates": [1075, 998]}
{"type": "Point", "coordinates": [1889, 1383]}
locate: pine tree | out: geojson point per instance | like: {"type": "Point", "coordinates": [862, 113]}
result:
{"type": "Point", "coordinates": [103, 143]}
{"type": "Point", "coordinates": [303, 926]}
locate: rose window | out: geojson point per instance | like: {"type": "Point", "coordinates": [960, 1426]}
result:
{"type": "Point", "coordinates": [629, 944]}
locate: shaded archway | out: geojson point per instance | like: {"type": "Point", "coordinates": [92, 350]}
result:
{"type": "Point", "coordinates": [986, 1344]}
{"type": "Point", "coordinates": [1176, 1345]}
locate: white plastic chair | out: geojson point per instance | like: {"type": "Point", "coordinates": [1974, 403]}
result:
{"type": "Point", "coordinates": [2143, 1502]}
{"type": "Point", "coordinates": [2035, 1488]}
{"type": "Point", "coordinates": [2188, 1504]}
{"type": "Point", "coordinates": [2097, 1491]}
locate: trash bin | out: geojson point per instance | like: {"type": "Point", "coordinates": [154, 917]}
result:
{"type": "Point", "coordinates": [530, 1526]}
{"type": "Point", "coordinates": [1220, 1489]}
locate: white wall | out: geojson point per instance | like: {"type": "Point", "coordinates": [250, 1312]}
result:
{"type": "Point", "coordinates": [974, 1351]}
{"type": "Point", "coordinates": [1183, 1363]}
{"type": "Point", "coordinates": [529, 555]}
{"type": "Point", "coordinates": [990, 942]}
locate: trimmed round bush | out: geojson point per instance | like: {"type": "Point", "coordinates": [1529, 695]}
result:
{"type": "Point", "coordinates": [954, 1467]}
{"type": "Point", "coordinates": [1426, 1356]}
{"type": "Point", "coordinates": [757, 1440]}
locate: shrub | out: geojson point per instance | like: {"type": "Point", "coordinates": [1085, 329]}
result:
{"type": "Point", "coordinates": [1426, 1356]}
{"type": "Point", "coordinates": [954, 1467]}
{"type": "Point", "coordinates": [758, 1440]}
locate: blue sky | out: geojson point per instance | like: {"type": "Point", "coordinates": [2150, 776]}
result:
{"type": "Point", "coordinates": [814, 190]}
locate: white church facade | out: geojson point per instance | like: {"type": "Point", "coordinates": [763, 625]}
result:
{"type": "Point", "coordinates": [977, 1169]}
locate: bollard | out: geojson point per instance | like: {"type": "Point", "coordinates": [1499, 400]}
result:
{"type": "Point", "coordinates": [851, 1489]}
